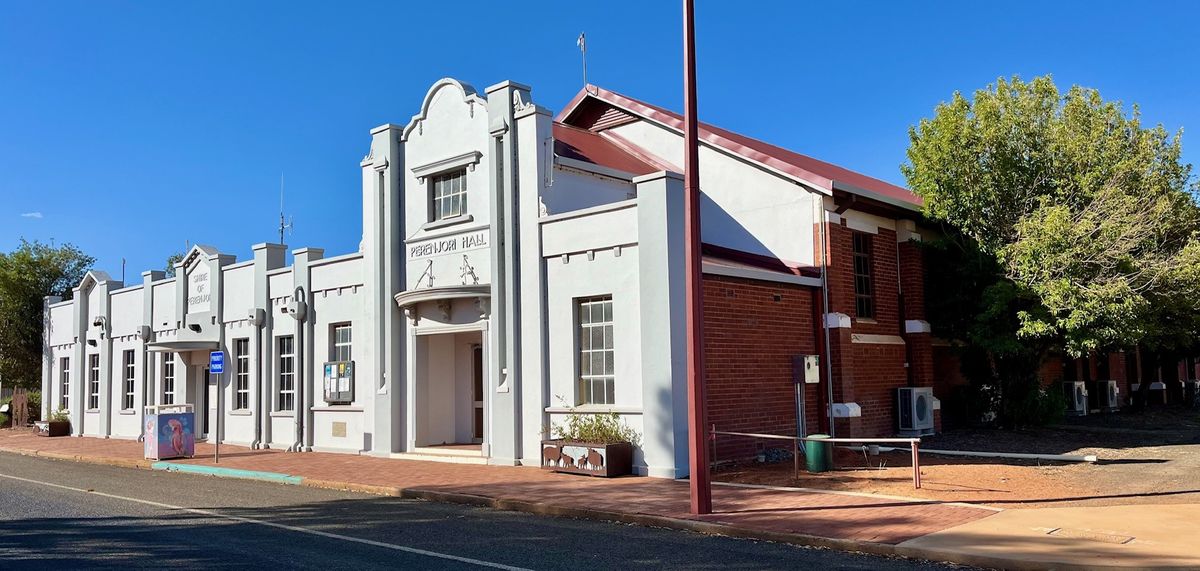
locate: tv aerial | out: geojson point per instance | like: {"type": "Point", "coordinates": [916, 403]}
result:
{"type": "Point", "coordinates": [287, 224]}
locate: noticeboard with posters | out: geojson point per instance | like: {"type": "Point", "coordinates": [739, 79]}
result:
{"type": "Point", "coordinates": [338, 382]}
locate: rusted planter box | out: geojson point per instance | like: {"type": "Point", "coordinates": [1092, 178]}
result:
{"type": "Point", "coordinates": [53, 428]}
{"type": "Point", "coordinates": [604, 460]}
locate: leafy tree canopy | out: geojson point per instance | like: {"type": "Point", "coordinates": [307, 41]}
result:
{"type": "Point", "coordinates": [171, 261]}
{"type": "Point", "coordinates": [28, 274]}
{"type": "Point", "coordinates": [1088, 214]}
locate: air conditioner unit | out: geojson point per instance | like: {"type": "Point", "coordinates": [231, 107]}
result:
{"type": "Point", "coordinates": [1191, 393]}
{"type": "Point", "coordinates": [915, 410]}
{"type": "Point", "coordinates": [1110, 395]}
{"type": "Point", "coordinates": [1077, 398]}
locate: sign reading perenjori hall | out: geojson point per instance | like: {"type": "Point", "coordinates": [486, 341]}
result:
{"type": "Point", "coordinates": [448, 245]}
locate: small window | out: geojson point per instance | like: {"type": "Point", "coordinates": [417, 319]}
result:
{"type": "Point", "coordinates": [341, 349]}
{"type": "Point", "coordinates": [596, 355]}
{"type": "Point", "coordinates": [64, 378]}
{"type": "Point", "coordinates": [168, 377]}
{"type": "Point", "coordinates": [448, 195]}
{"type": "Point", "coordinates": [864, 283]}
{"type": "Point", "coordinates": [241, 395]}
{"type": "Point", "coordinates": [130, 380]}
{"type": "Point", "coordinates": [93, 402]}
{"type": "Point", "coordinates": [287, 374]}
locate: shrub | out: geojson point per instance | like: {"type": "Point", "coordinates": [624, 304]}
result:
{"type": "Point", "coordinates": [1038, 407]}
{"type": "Point", "coordinates": [598, 428]}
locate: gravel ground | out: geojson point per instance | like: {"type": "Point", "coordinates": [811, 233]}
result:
{"type": "Point", "coordinates": [1145, 458]}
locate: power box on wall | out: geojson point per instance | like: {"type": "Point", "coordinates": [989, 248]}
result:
{"type": "Point", "coordinates": [339, 382]}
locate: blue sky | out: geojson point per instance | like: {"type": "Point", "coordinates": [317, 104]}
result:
{"type": "Point", "coordinates": [131, 128]}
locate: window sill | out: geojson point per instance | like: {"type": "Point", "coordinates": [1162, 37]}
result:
{"type": "Point", "coordinates": [92, 411]}
{"type": "Point", "coordinates": [282, 414]}
{"type": "Point", "coordinates": [452, 221]}
{"type": "Point", "coordinates": [337, 408]}
{"type": "Point", "coordinates": [241, 412]}
{"type": "Point", "coordinates": [866, 320]}
{"type": "Point", "coordinates": [594, 409]}
{"type": "Point", "coordinates": [127, 411]}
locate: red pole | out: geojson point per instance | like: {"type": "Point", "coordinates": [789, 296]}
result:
{"type": "Point", "coordinates": [701, 486]}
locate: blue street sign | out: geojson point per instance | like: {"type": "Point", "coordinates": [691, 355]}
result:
{"type": "Point", "coordinates": [216, 362]}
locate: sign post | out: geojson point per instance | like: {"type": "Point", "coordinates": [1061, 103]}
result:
{"type": "Point", "coordinates": [216, 366]}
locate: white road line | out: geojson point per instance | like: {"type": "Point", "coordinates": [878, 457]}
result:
{"type": "Point", "coordinates": [209, 513]}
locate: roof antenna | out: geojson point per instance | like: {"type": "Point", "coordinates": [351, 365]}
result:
{"type": "Point", "coordinates": [582, 43]}
{"type": "Point", "coordinates": [289, 224]}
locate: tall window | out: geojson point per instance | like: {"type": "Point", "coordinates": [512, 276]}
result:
{"type": "Point", "coordinates": [168, 379]}
{"type": "Point", "coordinates": [341, 343]}
{"type": "Point", "coordinates": [93, 382]}
{"type": "Point", "coordinates": [64, 379]}
{"type": "Point", "coordinates": [130, 380]}
{"type": "Point", "coordinates": [596, 371]}
{"type": "Point", "coordinates": [449, 194]}
{"type": "Point", "coordinates": [241, 396]}
{"type": "Point", "coordinates": [864, 284]}
{"type": "Point", "coordinates": [287, 374]}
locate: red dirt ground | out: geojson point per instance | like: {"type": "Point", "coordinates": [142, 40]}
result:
{"type": "Point", "coordinates": [1144, 459]}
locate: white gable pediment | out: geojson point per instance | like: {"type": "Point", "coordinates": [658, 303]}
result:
{"type": "Point", "coordinates": [446, 96]}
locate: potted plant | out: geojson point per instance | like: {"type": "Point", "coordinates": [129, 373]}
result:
{"type": "Point", "coordinates": [598, 444]}
{"type": "Point", "coordinates": [59, 424]}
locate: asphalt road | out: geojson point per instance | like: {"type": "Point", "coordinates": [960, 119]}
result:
{"type": "Point", "coordinates": [56, 514]}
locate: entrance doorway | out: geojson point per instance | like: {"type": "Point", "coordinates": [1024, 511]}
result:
{"type": "Point", "coordinates": [450, 396]}
{"type": "Point", "coordinates": [208, 399]}
{"type": "Point", "coordinates": [477, 391]}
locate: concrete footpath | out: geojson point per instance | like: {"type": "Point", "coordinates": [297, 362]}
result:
{"type": "Point", "coordinates": [1060, 538]}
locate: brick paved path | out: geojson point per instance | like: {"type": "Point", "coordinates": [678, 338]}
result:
{"type": "Point", "coordinates": [825, 515]}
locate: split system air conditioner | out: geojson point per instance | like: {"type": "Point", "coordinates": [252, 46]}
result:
{"type": "Point", "coordinates": [1110, 395]}
{"type": "Point", "coordinates": [1077, 397]}
{"type": "Point", "coordinates": [1191, 393]}
{"type": "Point", "coordinates": [915, 410]}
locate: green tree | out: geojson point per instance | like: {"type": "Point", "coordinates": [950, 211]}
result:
{"type": "Point", "coordinates": [27, 274]}
{"type": "Point", "coordinates": [1082, 206]}
{"type": "Point", "coordinates": [1068, 227]}
{"type": "Point", "coordinates": [171, 261]}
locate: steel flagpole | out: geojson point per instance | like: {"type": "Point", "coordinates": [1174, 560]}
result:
{"type": "Point", "coordinates": [699, 479]}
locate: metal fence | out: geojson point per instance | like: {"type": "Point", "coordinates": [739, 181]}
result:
{"type": "Point", "coordinates": [913, 443]}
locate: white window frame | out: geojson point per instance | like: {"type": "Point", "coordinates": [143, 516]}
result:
{"type": "Point", "coordinates": [339, 348]}
{"type": "Point", "coordinates": [93, 398]}
{"type": "Point", "coordinates": [285, 400]}
{"type": "Point", "coordinates": [127, 396]}
{"type": "Point", "coordinates": [168, 376]}
{"type": "Point", "coordinates": [448, 195]}
{"type": "Point", "coordinates": [595, 387]}
{"type": "Point", "coordinates": [241, 394]}
{"type": "Point", "coordinates": [64, 380]}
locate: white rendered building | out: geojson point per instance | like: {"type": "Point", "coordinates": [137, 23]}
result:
{"type": "Point", "coordinates": [512, 265]}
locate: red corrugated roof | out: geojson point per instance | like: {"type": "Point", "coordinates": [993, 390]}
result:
{"type": "Point", "coordinates": [581, 144]}
{"type": "Point", "coordinates": [819, 173]}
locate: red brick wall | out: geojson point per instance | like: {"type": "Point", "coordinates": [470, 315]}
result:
{"type": "Point", "coordinates": [749, 341]}
{"type": "Point", "coordinates": [878, 372]}
{"type": "Point", "coordinates": [868, 374]}
{"type": "Point", "coordinates": [886, 291]}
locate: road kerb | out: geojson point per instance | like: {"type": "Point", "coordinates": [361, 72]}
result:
{"type": "Point", "coordinates": [352, 487]}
